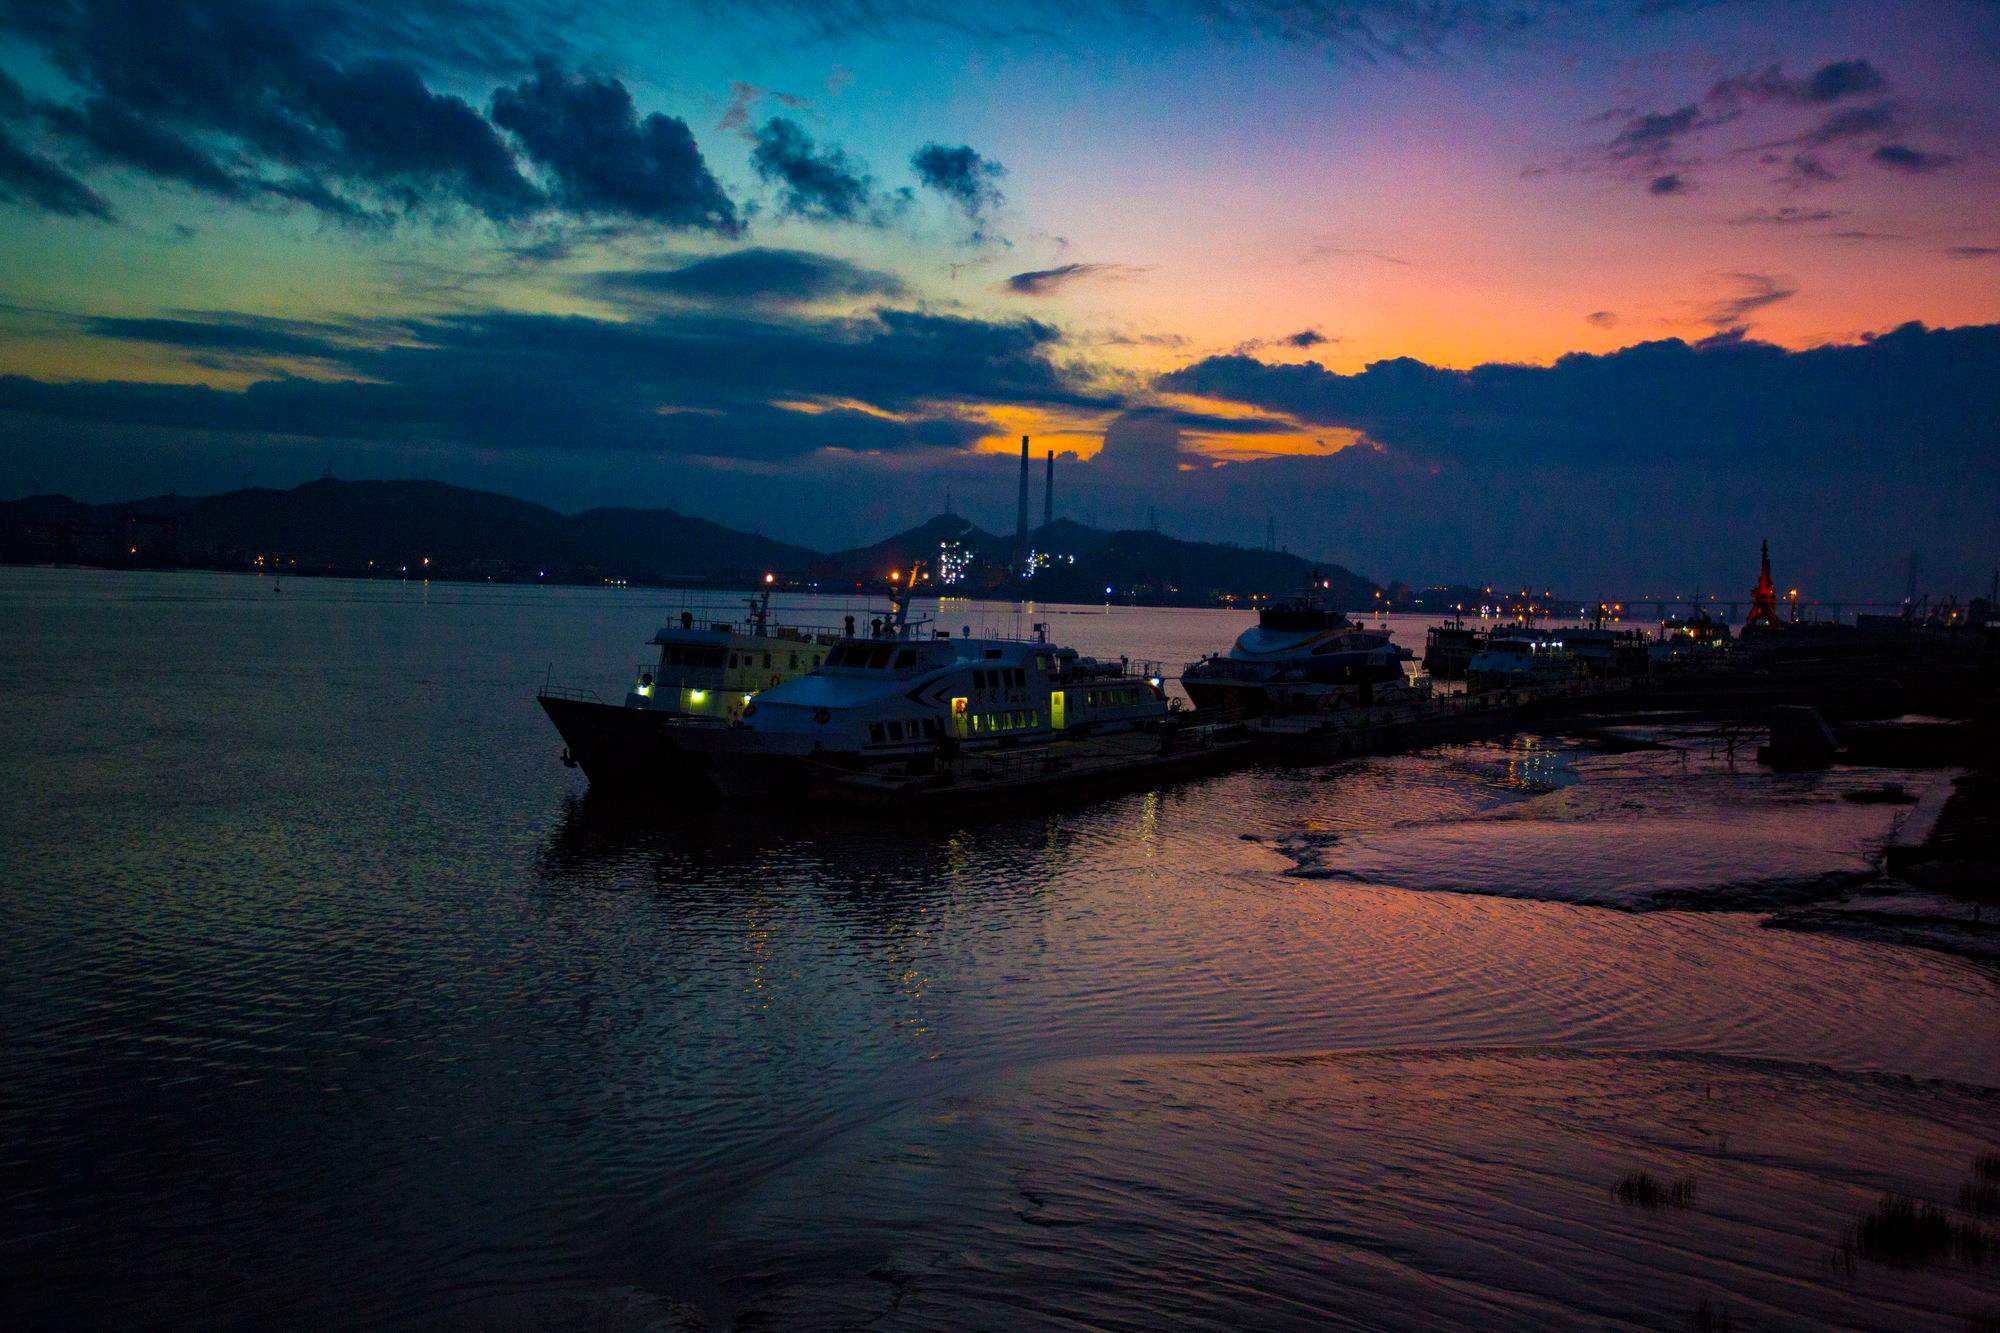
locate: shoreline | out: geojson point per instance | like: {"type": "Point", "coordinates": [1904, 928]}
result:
{"type": "Point", "coordinates": [1939, 887]}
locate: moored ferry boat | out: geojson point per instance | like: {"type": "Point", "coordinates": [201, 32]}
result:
{"type": "Point", "coordinates": [1689, 640]}
{"type": "Point", "coordinates": [1522, 655]}
{"type": "Point", "coordinates": [1302, 657]}
{"type": "Point", "coordinates": [898, 699]}
{"type": "Point", "coordinates": [707, 672]}
{"type": "Point", "coordinates": [1603, 652]}
{"type": "Point", "coordinates": [1448, 650]}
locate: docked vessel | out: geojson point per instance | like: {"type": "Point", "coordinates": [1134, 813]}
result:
{"type": "Point", "coordinates": [1689, 640]}
{"type": "Point", "coordinates": [1522, 655]}
{"type": "Point", "coordinates": [1606, 653]}
{"type": "Point", "coordinates": [707, 672]}
{"type": "Point", "coordinates": [899, 700]}
{"type": "Point", "coordinates": [1301, 657]}
{"type": "Point", "coordinates": [1448, 650]}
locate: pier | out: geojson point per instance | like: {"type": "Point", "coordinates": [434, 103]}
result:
{"type": "Point", "coordinates": [1856, 691]}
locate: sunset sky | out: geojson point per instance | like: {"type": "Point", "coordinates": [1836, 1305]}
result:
{"type": "Point", "coordinates": [803, 267]}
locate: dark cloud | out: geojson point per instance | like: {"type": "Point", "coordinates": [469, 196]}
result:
{"type": "Point", "coordinates": [1349, 252]}
{"type": "Point", "coordinates": [252, 75]}
{"type": "Point", "coordinates": [1303, 339]}
{"type": "Point", "coordinates": [825, 186]}
{"type": "Point", "coordinates": [1049, 281]}
{"type": "Point", "coordinates": [1653, 136]}
{"type": "Point", "coordinates": [1788, 216]}
{"type": "Point", "coordinates": [1755, 291]}
{"type": "Point", "coordinates": [115, 135]}
{"type": "Point", "coordinates": [1915, 397]}
{"type": "Point", "coordinates": [1828, 83]}
{"type": "Point", "coordinates": [1806, 170]}
{"type": "Point", "coordinates": [605, 160]}
{"type": "Point", "coordinates": [1852, 123]}
{"type": "Point", "coordinates": [1912, 161]}
{"type": "Point", "coordinates": [679, 383]}
{"type": "Point", "coordinates": [756, 277]}
{"type": "Point", "coordinates": [238, 334]}
{"type": "Point", "coordinates": [1973, 251]}
{"type": "Point", "coordinates": [1671, 183]}
{"type": "Point", "coordinates": [1603, 319]}
{"type": "Point", "coordinates": [1842, 78]}
{"type": "Point", "coordinates": [964, 177]}
{"type": "Point", "coordinates": [13, 102]}
{"type": "Point", "coordinates": [33, 181]}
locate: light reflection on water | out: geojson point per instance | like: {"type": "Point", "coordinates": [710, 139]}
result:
{"type": "Point", "coordinates": [331, 993]}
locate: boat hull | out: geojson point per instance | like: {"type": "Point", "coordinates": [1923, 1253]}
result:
{"type": "Point", "coordinates": [1239, 698]}
{"type": "Point", "coordinates": [629, 748]}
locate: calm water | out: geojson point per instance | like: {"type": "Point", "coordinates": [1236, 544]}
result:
{"type": "Point", "coordinates": [327, 999]}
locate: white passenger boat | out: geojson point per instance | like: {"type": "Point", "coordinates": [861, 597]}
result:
{"type": "Point", "coordinates": [708, 669]}
{"type": "Point", "coordinates": [900, 697]}
{"type": "Point", "coordinates": [1522, 655]}
{"type": "Point", "coordinates": [1301, 657]}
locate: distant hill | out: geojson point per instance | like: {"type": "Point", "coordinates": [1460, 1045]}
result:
{"type": "Point", "coordinates": [380, 526]}
{"type": "Point", "coordinates": [386, 527]}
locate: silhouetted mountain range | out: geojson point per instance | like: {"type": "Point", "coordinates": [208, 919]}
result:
{"type": "Point", "coordinates": [393, 528]}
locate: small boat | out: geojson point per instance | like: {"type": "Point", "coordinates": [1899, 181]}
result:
{"type": "Point", "coordinates": [1302, 657]}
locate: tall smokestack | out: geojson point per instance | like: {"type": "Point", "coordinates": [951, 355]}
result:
{"type": "Point", "coordinates": [1049, 493]}
{"type": "Point", "coordinates": [1021, 513]}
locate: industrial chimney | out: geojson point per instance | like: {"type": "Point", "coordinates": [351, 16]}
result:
{"type": "Point", "coordinates": [1049, 493]}
{"type": "Point", "coordinates": [1021, 514]}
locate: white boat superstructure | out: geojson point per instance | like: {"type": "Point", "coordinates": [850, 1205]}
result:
{"type": "Point", "coordinates": [1521, 654]}
{"type": "Point", "coordinates": [1303, 656]}
{"type": "Point", "coordinates": [902, 698]}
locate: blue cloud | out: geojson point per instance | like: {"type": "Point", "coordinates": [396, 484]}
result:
{"type": "Point", "coordinates": [605, 159]}
{"type": "Point", "coordinates": [753, 277]}
{"type": "Point", "coordinates": [823, 185]}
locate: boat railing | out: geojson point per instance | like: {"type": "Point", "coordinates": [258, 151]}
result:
{"type": "Point", "coordinates": [572, 692]}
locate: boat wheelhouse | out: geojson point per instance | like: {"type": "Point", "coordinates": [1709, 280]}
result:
{"type": "Point", "coordinates": [1302, 656]}
{"type": "Point", "coordinates": [1448, 650]}
{"type": "Point", "coordinates": [1522, 655]}
{"type": "Point", "coordinates": [902, 699]}
{"type": "Point", "coordinates": [708, 670]}
{"type": "Point", "coordinates": [1691, 639]}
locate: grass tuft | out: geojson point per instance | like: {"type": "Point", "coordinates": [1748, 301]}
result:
{"type": "Point", "coordinates": [1906, 1232]}
{"type": "Point", "coordinates": [1646, 1191]}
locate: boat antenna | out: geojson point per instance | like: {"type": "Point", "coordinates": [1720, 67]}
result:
{"type": "Point", "coordinates": [899, 600]}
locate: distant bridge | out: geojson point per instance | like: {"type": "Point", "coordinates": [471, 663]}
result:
{"type": "Point", "coordinates": [1808, 608]}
